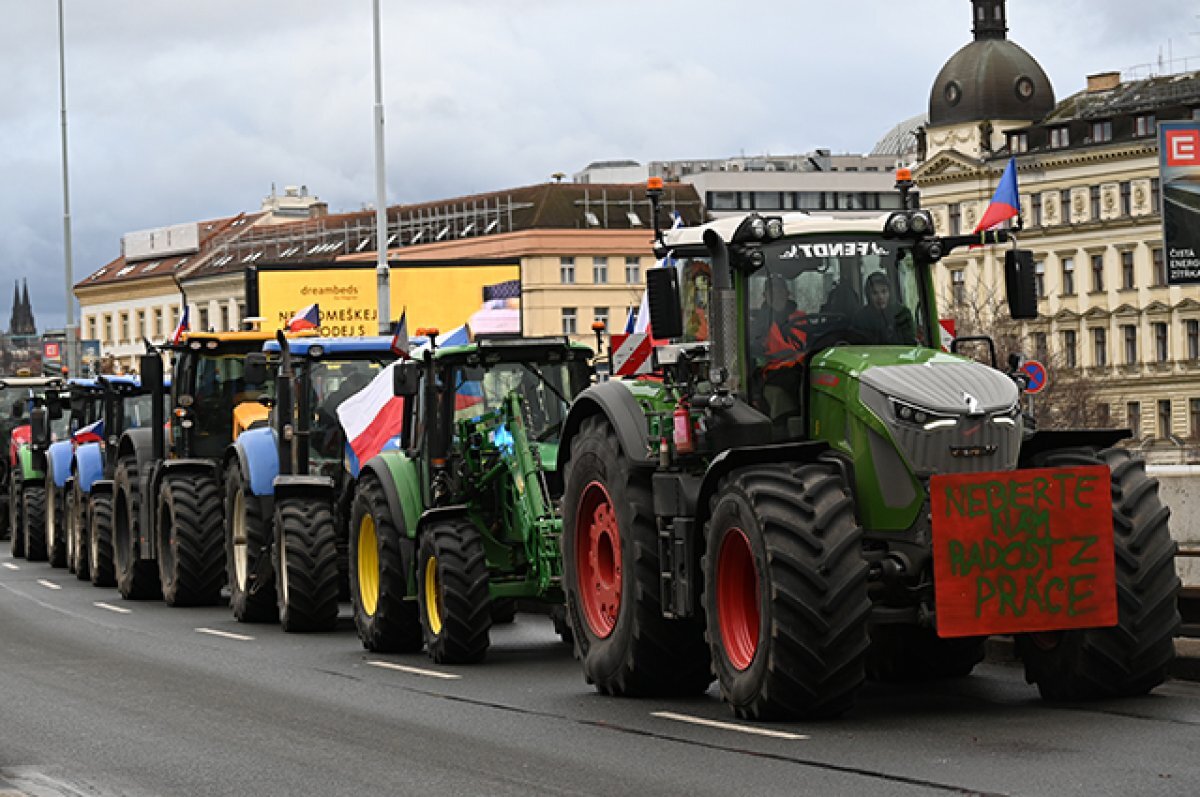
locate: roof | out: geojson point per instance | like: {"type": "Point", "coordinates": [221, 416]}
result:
{"type": "Point", "coordinates": [334, 347]}
{"type": "Point", "coordinates": [1130, 97]}
{"type": "Point", "coordinates": [901, 140]}
{"type": "Point", "coordinates": [793, 224]}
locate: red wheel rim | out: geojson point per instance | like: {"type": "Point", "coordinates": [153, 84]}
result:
{"type": "Point", "coordinates": [598, 559]}
{"type": "Point", "coordinates": [737, 599]}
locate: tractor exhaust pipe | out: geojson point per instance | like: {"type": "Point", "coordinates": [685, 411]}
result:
{"type": "Point", "coordinates": [722, 316]}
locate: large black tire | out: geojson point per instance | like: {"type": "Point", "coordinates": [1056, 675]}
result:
{"type": "Point", "coordinates": [504, 611]}
{"type": "Point", "coordinates": [100, 544]}
{"type": "Point", "coordinates": [452, 573]}
{"type": "Point", "coordinates": [306, 565]}
{"type": "Point", "coordinates": [191, 549]}
{"type": "Point", "coordinates": [611, 577]}
{"type": "Point", "coordinates": [247, 539]}
{"type": "Point", "coordinates": [137, 578]}
{"type": "Point", "coordinates": [909, 653]}
{"type": "Point", "coordinates": [785, 592]}
{"type": "Point", "coordinates": [33, 515]}
{"type": "Point", "coordinates": [77, 555]}
{"type": "Point", "coordinates": [56, 527]}
{"type": "Point", "coordinates": [1134, 656]}
{"type": "Point", "coordinates": [16, 523]}
{"type": "Point", "coordinates": [386, 618]}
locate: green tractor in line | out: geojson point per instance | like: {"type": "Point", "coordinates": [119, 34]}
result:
{"type": "Point", "coordinates": [459, 524]}
{"type": "Point", "coordinates": [763, 510]}
{"type": "Point", "coordinates": [23, 471]}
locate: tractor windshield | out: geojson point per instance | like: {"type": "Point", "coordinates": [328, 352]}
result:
{"type": "Point", "coordinates": [547, 390]}
{"type": "Point", "coordinates": [330, 383]}
{"type": "Point", "coordinates": [135, 411]}
{"type": "Point", "coordinates": [220, 385]}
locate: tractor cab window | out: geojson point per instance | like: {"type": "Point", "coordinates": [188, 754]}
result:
{"type": "Point", "coordinates": [331, 382]}
{"type": "Point", "coordinates": [136, 411]}
{"type": "Point", "coordinates": [218, 386]}
{"type": "Point", "coordinates": [546, 390]}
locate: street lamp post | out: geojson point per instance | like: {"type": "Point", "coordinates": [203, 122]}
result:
{"type": "Point", "coordinates": [68, 356]}
{"type": "Point", "coordinates": [382, 273]}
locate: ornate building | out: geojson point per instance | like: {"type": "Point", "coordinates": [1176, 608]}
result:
{"type": "Point", "coordinates": [1090, 196]}
{"type": "Point", "coordinates": [21, 321]}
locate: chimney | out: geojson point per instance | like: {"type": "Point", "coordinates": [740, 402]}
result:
{"type": "Point", "coordinates": [1103, 81]}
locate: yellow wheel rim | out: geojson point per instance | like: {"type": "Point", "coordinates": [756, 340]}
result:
{"type": "Point", "coordinates": [433, 608]}
{"type": "Point", "coordinates": [368, 565]}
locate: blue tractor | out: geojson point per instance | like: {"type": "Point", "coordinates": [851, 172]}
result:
{"type": "Point", "coordinates": [74, 414]}
{"type": "Point", "coordinates": [289, 486]}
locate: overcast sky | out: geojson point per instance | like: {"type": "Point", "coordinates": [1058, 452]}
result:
{"type": "Point", "coordinates": [186, 111]}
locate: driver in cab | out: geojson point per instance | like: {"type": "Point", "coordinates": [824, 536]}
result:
{"type": "Point", "coordinates": [883, 319]}
{"type": "Point", "coordinates": [779, 336]}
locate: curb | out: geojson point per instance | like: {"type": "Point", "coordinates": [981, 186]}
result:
{"type": "Point", "coordinates": [1184, 667]}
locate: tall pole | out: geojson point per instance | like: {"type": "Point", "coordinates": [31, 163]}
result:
{"type": "Point", "coordinates": [381, 231]}
{"type": "Point", "coordinates": [69, 345]}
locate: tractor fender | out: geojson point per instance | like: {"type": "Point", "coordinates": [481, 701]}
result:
{"type": "Point", "coordinates": [258, 456]}
{"type": "Point", "coordinates": [733, 458]}
{"type": "Point", "coordinates": [89, 465]}
{"type": "Point", "coordinates": [401, 484]}
{"type": "Point", "coordinates": [139, 444]}
{"type": "Point", "coordinates": [58, 461]}
{"type": "Point", "coordinates": [318, 488]}
{"type": "Point", "coordinates": [1052, 439]}
{"type": "Point", "coordinates": [101, 487]}
{"type": "Point", "coordinates": [439, 512]}
{"type": "Point", "coordinates": [28, 471]}
{"type": "Point", "coordinates": [614, 401]}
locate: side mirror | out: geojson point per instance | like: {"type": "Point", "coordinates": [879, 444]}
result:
{"type": "Point", "coordinates": [54, 408]}
{"type": "Point", "coordinates": [666, 309]}
{"type": "Point", "coordinates": [18, 409]}
{"type": "Point", "coordinates": [39, 426]}
{"type": "Point", "coordinates": [406, 379]}
{"type": "Point", "coordinates": [150, 368]}
{"type": "Point", "coordinates": [255, 372]}
{"type": "Point", "coordinates": [1020, 284]}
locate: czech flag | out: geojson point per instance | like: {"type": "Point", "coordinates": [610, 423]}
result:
{"type": "Point", "coordinates": [183, 327]}
{"type": "Point", "coordinates": [400, 338]}
{"type": "Point", "coordinates": [1006, 202]}
{"type": "Point", "coordinates": [305, 318]}
{"type": "Point", "coordinates": [92, 433]}
{"type": "Point", "coordinates": [372, 416]}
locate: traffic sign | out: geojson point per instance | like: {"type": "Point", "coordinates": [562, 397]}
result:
{"type": "Point", "coordinates": [1036, 372]}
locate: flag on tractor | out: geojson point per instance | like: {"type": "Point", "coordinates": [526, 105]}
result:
{"type": "Point", "coordinates": [183, 327]}
{"type": "Point", "coordinates": [373, 415]}
{"type": "Point", "coordinates": [400, 337]}
{"type": "Point", "coordinates": [92, 433]}
{"type": "Point", "coordinates": [305, 318]}
{"type": "Point", "coordinates": [1006, 202]}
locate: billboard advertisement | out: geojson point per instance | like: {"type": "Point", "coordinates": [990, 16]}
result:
{"type": "Point", "coordinates": [21, 355]}
{"type": "Point", "coordinates": [442, 294]}
{"type": "Point", "coordinates": [1179, 162]}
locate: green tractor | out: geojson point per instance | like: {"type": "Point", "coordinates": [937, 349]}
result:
{"type": "Point", "coordinates": [23, 472]}
{"type": "Point", "coordinates": [783, 506]}
{"type": "Point", "coordinates": [456, 525]}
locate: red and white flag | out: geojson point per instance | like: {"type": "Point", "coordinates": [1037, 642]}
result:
{"type": "Point", "coordinates": [373, 415]}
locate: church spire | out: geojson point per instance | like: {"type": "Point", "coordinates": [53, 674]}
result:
{"type": "Point", "coordinates": [16, 303]}
{"type": "Point", "coordinates": [990, 19]}
{"type": "Point", "coordinates": [28, 326]}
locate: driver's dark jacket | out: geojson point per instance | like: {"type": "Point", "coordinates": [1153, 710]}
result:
{"type": "Point", "coordinates": [891, 325]}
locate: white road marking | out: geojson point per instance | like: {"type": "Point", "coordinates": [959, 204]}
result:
{"type": "Point", "coordinates": [387, 665]}
{"type": "Point", "coordinates": [11, 566]}
{"type": "Point", "coordinates": [111, 608]}
{"type": "Point", "coordinates": [728, 726]}
{"type": "Point", "coordinates": [48, 584]}
{"type": "Point", "coordinates": [225, 634]}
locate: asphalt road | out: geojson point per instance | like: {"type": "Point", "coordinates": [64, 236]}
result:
{"type": "Point", "coordinates": [100, 696]}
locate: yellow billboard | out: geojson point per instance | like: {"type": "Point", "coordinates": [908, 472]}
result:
{"type": "Point", "coordinates": [445, 295]}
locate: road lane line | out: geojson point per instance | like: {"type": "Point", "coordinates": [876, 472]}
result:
{"type": "Point", "coordinates": [111, 608]}
{"type": "Point", "coordinates": [48, 584]}
{"type": "Point", "coordinates": [225, 634]}
{"type": "Point", "coordinates": [11, 566]}
{"type": "Point", "coordinates": [728, 726]}
{"type": "Point", "coordinates": [387, 665]}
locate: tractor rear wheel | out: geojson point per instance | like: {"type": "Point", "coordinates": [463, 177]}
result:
{"type": "Point", "coordinates": [100, 542]}
{"type": "Point", "coordinates": [455, 608]}
{"type": "Point", "coordinates": [386, 621]}
{"type": "Point", "coordinates": [306, 565]}
{"type": "Point", "coordinates": [611, 577]}
{"type": "Point", "coordinates": [137, 578]}
{"type": "Point", "coordinates": [903, 653]}
{"type": "Point", "coordinates": [33, 512]}
{"type": "Point", "coordinates": [16, 522]}
{"type": "Point", "coordinates": [191, 551]}
{"type": "Point", "coordinates": [785, 592]}
{"type": "Point", "coordinates": [246, 538]}
{"type": "Point", "coordinates": [1132, 657]}
{"type": "Point", "coordinates": [77, 556]}
{"type": "Point", "coordinates": [56, 527]}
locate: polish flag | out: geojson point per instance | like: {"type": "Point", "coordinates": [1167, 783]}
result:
{"type": "Point", "coordinates": [373, 415]}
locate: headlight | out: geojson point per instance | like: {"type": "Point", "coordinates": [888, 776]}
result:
{"type": "Point", "coordinates": [316, 351]}
{"type": "Point", "coordinates": [920, 223]}
{"type": "Point", "coordinates": [774, 228]}
{"type": "Point", "coordinates": [898, 224]}
{"type": "Point", "coordinates": [758, 227]}
{"type": "Point", "coordinates": [910, 413]}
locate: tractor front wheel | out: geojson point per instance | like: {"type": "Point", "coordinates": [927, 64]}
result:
{"type": "Point", "coordinates": [306, 564]}
{"type": "Point", "coordinates": [56, 527]}
{"type": "Point", "coordinates": [137, 578]}
{"type": "Point", "coordinates": [16, 523]}
{"type": "Point", "coordinates": [100, 541]}
{"type": "Point", "coordinates": [385, 617]}
{"type": "Point", "coordinates": [1132, 657]}
{"type": "Point", "coordinates": [246, 536]}
{"type": "Point", "coordinates": [456, 613]}
{"type": "Point", "coordinates": [77, 555]}
{"type": "Point", "coordinates": [611, 577]}
{"type": "Point", "coordinates": [785, 593]}
{"type": "Point", "coordinates": [33, 512]}
{"type": "Point", "coordinates": [191, 553]}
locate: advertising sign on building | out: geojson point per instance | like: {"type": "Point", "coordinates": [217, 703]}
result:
{"type": "Point", "coordinates": [1179, 163]}
{"type": "Point", "coordinates": [485, 294]}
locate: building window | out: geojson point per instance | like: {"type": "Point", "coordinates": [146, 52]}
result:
{"type": "Point", "coordinates": [1161, 347]}
{"type": "Point", "coordinates": [1194, 412]}
{"type": "Point", "coordinates": [1126, 199]}
{"type": "Point", "coordinates": [1068, 276]}
{"type": "Point", "coordinates": [633, 270]}
{"type": "Point", "coordinates": [1100, 346]}
{"type": "Point", "coordinates": [1144, 125]}
{"type": "Point", "coordinates": [1164, 417]}
{"type": "Point", "coordinates": [566, 270]}
{"type": "Point", "coordinates": [204, 327]}
{"type": "Point", "coordinates": [1129, 331]}
{"type": "Point", "coordinates": [955, 212]}
{"type": "Point", "coordinates": [225, 318]}
{"type": "Point", "coordinates": [600, 270]}
{"type": "Point", "coordinates": [1094, 196]}
{"type": "Point", "coordinates": [1101, 132]}
{"type": "Point", "coordinates": [1155, 195]}
{"type": "Point", "coordinates": [600, 316]}
{"type": "Point", "coordinates": [1097, 273]}
{"type": "Point", "coordinates": [123, 331]}
{"type": "Point", "coordinates": [1040, 349]}
{"type": "Point", "coordinates": [1039, 278]}
{"type": "Point", "coordinates": [1133, 417]}
{"type": "Point", "coordinates": [1064, 202]}
{"type": "Point", "coordinates": [568, 321]}
{"type": "Point", "coordinates": [1193, 339]}
{"type": "Point", "coordinates": [1069, 345]}
{"type": "Point", "coordinates": [1035, 209]}
{"type": "Point", "coordinates": [1018, 143]}
{"type": "Point", "coordinates": [158, 323]}
{"type": "Point", "coordinates": [1127, 269]}
{"type": "Point", "coordinates": [958, 286]}
{"type": "Point", "coordinates": [1160, 266]}
{"type": "Point", "coordinates": [1060, 137]}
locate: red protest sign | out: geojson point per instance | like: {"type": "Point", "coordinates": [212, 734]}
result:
{"type": "Point", "coordinates": [1023, 550]}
